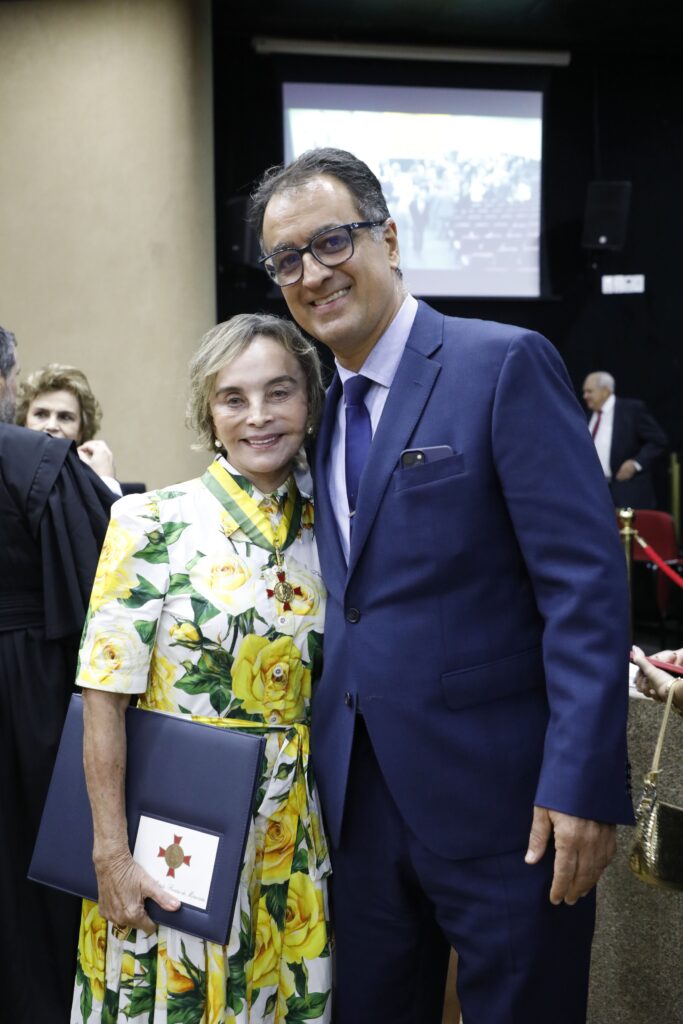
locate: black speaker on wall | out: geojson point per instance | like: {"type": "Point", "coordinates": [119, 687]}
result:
{"type": "Point", "coordinates": [241, 244]}
{"type": "Point", "coordinates": [606, 217]}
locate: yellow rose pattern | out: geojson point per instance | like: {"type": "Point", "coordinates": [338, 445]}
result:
{"type": "Point", "coordinates": [183, 614]}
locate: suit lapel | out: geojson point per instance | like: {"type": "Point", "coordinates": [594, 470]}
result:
{"type": "Point", "coordinates": [405, 403]}
{"type": "Point", "coordinates": [617, 434]}
{"type": "Point", "coordinates": [330, 551]}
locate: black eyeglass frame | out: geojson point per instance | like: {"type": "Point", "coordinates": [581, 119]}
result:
{"type": "Point", "coordinates": [303, 249]}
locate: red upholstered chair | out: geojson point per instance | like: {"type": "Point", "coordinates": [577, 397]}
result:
{"type": "Point", "coordinates": [652, 590]}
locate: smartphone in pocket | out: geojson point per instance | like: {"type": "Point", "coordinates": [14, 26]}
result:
{"type": "Point", "coordinates": [421, 456]}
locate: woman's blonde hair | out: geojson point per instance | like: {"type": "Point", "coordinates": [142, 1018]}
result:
{"type": "Point", "coordinates": [58, 377]}
{"type": "Point", "coordinates": [228, 340]}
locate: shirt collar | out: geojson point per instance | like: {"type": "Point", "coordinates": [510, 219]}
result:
{"type": "Point", "coordinates": [608, 405]}
{"type": "Point", "coordinates": [382, 362]}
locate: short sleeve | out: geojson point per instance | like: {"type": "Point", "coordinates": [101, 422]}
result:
{"type": "Point", "coordinates": [126, 601]}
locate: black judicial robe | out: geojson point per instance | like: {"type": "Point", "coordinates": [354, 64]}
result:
{"type": "Point", "coordinates": [54, 513]}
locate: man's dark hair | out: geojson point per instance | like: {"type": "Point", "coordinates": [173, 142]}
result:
{"type": "Point", "coordinates": [7, 352]}
{"type": "Point", "coordinates": [363, 185]}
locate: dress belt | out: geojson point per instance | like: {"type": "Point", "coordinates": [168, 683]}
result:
{"type": "Point", "coordinates": [20, 610]}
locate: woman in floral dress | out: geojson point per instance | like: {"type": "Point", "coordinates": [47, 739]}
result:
{"type": "Point", "coordinates": [208, 602]}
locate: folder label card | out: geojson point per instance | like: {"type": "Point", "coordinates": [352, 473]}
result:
{"type": "Point", "coordinates": [180, 859]}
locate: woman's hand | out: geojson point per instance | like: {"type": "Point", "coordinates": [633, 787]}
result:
{"type": "Point", "coordinates": [655, 682]}
{"type": "Point", "coordinates": [123, 887]}
{"type": "Point", "coordinates": [98, 455]}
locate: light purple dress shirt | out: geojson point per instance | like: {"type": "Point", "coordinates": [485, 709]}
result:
{"type": "Point", "coordinates": [380, 366]}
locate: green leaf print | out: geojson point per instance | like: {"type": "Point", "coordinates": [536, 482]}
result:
{"type": "Point", "coordinates": [110, 1007]}
{"type": "Point", "coordinates": [300, 862]}
{"type": "Point", "coordinates": [276, 902]}
{"type": "Point", "coordinates": [147, 631]}
{"type": "Point", "coordinates": [141, 999]}
{"type": "Point", "coordinates": [179, 583]}
{"type": "Point", "coordinates": [86, 1000]}
{"type": "Point", "coordinates": [315, 654]}
{"type": "Point", "coordinates": [172, 531]}
{"type": "Point", "coordinates": [215, 661]}
{"type": "Point", "coordinates": [188, 1007]}
{"type": "Point", "coordinates": [310, 1007]}
{"type": "Point", "coordinates": [144, 592]}
{"type": "Point", "coordinates": [168, 493]}
{"type": "Point", "coordinates": [195, 682]}
{"type": "Point", "coordinates": [300, 977]}
{"type": "Point", "coordinates": [284, 770]}
{"type": "Point", "coordinates": [202, 610]}
{"type": "Point", "coordinates": [155, 551]}
{"type": "Point", "coordinates": [270, 1004]}
{"type": "Point", "coordinates": [243, 624]}
{"type": "Point", "coordinates": [193, 561]}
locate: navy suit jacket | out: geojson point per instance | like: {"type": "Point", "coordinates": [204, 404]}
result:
{"type": "Point", "coordinates": [482, 621]}
{"type": "Point", "coordinates": [635, 435]}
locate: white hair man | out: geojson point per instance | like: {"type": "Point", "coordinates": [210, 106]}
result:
{"type": "Point", "coordinates": [627, 439]}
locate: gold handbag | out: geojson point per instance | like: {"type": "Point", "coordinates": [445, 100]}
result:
{"type": "Point", "coordinates": [657, 852]}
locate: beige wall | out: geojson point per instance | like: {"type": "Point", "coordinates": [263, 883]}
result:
{"type": "Point", "coordinates": [106, 208]}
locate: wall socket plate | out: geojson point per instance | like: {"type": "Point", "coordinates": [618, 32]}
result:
{"type": "Point", "coordinates": [619, 284]}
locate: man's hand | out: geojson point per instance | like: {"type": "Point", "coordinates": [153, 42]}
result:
{"type": "Point", "coordinates": [626, 470]}
{"type": "Point", "coordinates": [583, 849]}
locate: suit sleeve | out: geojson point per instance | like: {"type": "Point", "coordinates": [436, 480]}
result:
{"type": "Point", "coordinates": [565, 525]}
{"type": "Point", "coordinates": [652, 440]}
{"type": "Point", "coordinates": [72, 528]}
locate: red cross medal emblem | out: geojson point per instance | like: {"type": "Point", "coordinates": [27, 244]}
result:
{"type": "Point", "coordinates": [174, 855]}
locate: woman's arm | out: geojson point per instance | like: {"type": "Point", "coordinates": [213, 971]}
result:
{"type": "Point", "coordinates": [123, 886]}
{"type": "Point", "coordinates": [655, 682]}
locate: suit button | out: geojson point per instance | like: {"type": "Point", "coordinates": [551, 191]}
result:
{"type": "Point", "coordinates": [353, 615]}
{"type": "Point", "coordinates": [348, 700]}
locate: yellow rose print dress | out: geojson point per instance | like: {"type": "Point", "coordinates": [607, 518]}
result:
{"type": "Point", "coordinates": [208, 602]}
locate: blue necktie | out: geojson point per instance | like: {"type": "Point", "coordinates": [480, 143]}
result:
{"type": "Point", "coordinates": [358, 434]}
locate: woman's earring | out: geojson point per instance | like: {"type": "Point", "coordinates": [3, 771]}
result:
{"type": "Point", "coordinates": [218, 443]}
{"type": "Point", "coordinates": [309, 429]}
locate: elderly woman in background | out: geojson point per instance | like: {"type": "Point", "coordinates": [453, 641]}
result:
{"type": "Point", "coordinates": [208, 602]}
{"type": "Point", "coordinates": [58, 400]}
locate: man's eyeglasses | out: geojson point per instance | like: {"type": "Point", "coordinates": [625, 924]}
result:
{"type": "Point", "coordinates": [331, 247]}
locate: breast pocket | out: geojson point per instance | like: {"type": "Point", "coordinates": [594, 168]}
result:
{"type": "Point", "coordinates": [430, 472]}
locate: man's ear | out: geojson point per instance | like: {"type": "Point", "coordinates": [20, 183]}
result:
{"type": "Point", "coordinates": [391, 241]}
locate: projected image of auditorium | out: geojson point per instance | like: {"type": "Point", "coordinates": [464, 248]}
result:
{"type": "Point", "coordinates": [461, 170]}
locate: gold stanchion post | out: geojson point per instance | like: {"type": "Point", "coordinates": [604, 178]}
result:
{"type": "Point", "coordinates": [675, 481]}
{"type": "Point", "coordinates": [627, 532]}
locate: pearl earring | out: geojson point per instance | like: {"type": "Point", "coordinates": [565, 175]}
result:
{"type": "Point", "coordinates": [217, 443]}
{"type": "Point", "coordinates": [309, 429]}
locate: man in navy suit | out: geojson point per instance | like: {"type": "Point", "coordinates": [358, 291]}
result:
{"type": "Point", "coordinates": [627, 439]}
{"type": "Point", "coordinates": [469, 729]}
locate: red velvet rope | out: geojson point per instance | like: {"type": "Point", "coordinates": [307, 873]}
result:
{"type": "Point", "coordinates": [652, 554]}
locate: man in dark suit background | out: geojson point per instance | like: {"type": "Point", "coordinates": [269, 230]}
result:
{"type": "Point", "coordinates": [469, 728]}
{"type": "Point", "coordinates": [627, 439]}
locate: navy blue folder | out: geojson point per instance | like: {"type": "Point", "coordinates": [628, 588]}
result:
{"type": "Point", "coordinates": [194, 775]}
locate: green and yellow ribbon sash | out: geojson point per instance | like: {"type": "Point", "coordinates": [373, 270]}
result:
{"type": "Point", "coordinates": [251, 519]}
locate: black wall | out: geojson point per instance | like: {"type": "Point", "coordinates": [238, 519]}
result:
{"type": "Point", "coordinates": [607, 117]}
